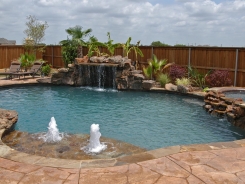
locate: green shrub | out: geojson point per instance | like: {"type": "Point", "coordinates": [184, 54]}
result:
{"type": "Point", "coordinates": [183, 81]}
{"type": "Point", "coordinates": [46, 69]}
{"type": "Point", "coordinates": [27, 60]}
{"type": "Point", "coordinates": [206, 89]}
{"type": "Point", "coordinates": [198, 79]}
{"type": "Point", "coordinates": [163, 79]}
{"type": "Point", "coordinates": [68, 51]}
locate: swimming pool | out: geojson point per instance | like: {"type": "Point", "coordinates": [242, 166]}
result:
{"type": "Point", "coordinates": [147, 120]}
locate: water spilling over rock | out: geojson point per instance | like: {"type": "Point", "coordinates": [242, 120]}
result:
{"type": "Point", "coordinates": [114, 72]}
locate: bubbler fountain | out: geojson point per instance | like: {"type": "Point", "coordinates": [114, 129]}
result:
{"type": "Point", "coordinates": [94, 145]}
{"type": "Point", "coordinates": [53, 134]}
{"type": "Point", "coordinates": [54, 144]}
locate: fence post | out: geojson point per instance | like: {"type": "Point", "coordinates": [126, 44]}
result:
{"type": "Point", "coordinates": [152, 52]}
{"type": "Point", "coordinates": [189, 61]}
{"type": "Point", "coordinates": [235, 75]}
{"type": "Point", "coordinates": [6, 60]}
{"type": "Point", "coordinates": [52, 56]}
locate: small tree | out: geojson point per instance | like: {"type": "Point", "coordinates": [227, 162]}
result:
{"type": "Point", "coordinates": [69, 51]}
{"type": "Point", "coordinates": [110, 45]}
{"type": "Point", "coordinates": [35, 33]}
{"type": "Point", "coordinates": [159, 44]}
{"type": "Point", "coordinates": [93, 46]}
{"type": "Point", "coordinates": [127, 48]}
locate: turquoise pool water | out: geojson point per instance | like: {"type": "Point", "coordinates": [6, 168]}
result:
{"type": "Point", "coordinates": [236, 94]}
{"type": "Point", "coordinates": [148, 120]}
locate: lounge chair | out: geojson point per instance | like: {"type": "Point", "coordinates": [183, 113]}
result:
{"type": "Point", "coordinates": [13, 69]}
{"type": "Point", "coordinates": [36, 67]}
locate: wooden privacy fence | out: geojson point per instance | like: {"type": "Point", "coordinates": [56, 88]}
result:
{"type": "Point", "coordinates": [12, 52]}
{"type": "Point", "coordinates": [202, 58]}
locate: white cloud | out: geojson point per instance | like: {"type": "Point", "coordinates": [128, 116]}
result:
{"type": "Point", "coordinates": [212, 22]}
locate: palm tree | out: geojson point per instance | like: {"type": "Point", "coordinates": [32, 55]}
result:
{"type": "Point", "coordinates": [78, 37]}
{"type": "Point", "coordinates": [154, 67]}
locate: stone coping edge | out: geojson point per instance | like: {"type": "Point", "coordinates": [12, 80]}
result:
{"type": "Point", "coordinates": [11, 154]}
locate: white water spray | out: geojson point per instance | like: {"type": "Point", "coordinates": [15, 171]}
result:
{"type": "Point", "coordinates": [94, 145]}
{"type": "Point", "coordinates": [53, 134]}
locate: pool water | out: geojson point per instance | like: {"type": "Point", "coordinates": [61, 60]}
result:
{"type": "Point", "coordinates": [236, 94]}
{"type": "Point", "coordinates": [148, 120]}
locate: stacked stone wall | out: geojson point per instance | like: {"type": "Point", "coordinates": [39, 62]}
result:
{"type": "Point", "coordinates": [216, 103]}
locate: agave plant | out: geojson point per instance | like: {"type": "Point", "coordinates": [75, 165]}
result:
{"type": "Point", "coordinates": [154, 67]}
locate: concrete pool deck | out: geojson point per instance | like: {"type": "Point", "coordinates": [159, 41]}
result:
{"type": "Point", "coordinates": [222, 162]}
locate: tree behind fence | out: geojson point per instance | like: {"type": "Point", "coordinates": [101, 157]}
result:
{"type": "Point", "coordinates": [202, 58]}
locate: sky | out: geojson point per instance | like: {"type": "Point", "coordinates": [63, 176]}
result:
{"type": "Point", "coordinates": [188, 22]}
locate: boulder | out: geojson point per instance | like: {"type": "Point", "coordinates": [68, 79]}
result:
{"type": "Point", "coordinates": [115, 59]}
{"type": "Point", "coordinates": [100, 59]}
{"type": "Point", "coordinates": [207, 107]}
{"type": "Point", "coordinates": [238, 111]}
{"type": "Point", "coordinates": [119, 73]}
{"type": "Point", "coordinates": [148, 84]}
{"type": "Point", "coordinates": [132, 68]}
{"type": "Point", "coordinates": [184, 89]}
{"type": "Point", "coordinates": [62, 78]}
{"type": "Point", "coordinates": [93, 59]}
{"type": "Point", "coordinates": [84, 59]}
{"type": "Point", "coordinates": [139, 77]}
{"type": "Point", "coordinates": [71, 65]}
{"type": "Point", "coordinates": [44, 80]}
{"type": "Point", "coordinates": [96, 59]}
{"type": "Point", "coordinates": [7, 118]}
{"type": "Point", "coordinates": [132, 72]}
{"type": "Point", "coordinates": [122, 83]}
{"type": "Point", "coordinates": [63, 70]}
{"type": "Point", "coordinates": [135, 85]}
{"type": "Point", "coordinates": [242, 105]}
{"type": "Point", "coordinates": [127, 65]}
{"type": "Point", "coordinates": [171, 87]}
{"type": "Point", "coordinates": [125, 73]}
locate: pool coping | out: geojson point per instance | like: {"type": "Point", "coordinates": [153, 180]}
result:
{"type": "Point", "coordinates": [11, 154]}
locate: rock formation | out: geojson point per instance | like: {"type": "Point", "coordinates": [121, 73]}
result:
{"type": "Point", "coordinates": [126, 76]}
{"type": "Point", "coordinates": [217, 103]}
{"type": "Point", "coordinates": [7, 118]}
